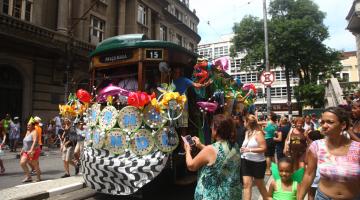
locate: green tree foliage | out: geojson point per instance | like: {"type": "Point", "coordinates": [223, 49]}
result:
{"type": "Point", "coordinates": [296, 34]}
{"type": "Point", "coordinates": [311, 93]}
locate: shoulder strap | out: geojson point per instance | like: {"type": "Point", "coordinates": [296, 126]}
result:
{"type": "Point", "coordinates": [289, 135]}
{"type": "Point", "coordinates": [294, 186]}
{"type": "Point", "coordinates": [230, 154]}
{"type": "Point", "coordinates": [247, 138]}
{"type": "Point", "coordinates": [278, 185]}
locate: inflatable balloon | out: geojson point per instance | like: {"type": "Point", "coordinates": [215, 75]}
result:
{"type": "Point", "coordinates": [110, 90]}
{"type": "Point", "coordinates": [249, 86]}
{"type": "Point", "coordinates": [201, 72]}
{"type": "Point", "coordinates": [208, 106]}
{"type": "Point", "coordinates": [222, 63]}
{"type": "Point", "coordinates": [83, 95]}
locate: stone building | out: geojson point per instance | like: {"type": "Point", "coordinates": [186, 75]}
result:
{"type": "Point", "coordinates": [45, 44]}
{"type": "Point", "coordinates": [353, 26]}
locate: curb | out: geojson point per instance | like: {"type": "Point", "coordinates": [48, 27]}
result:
{"type": "Point", "coordinates": [52, 192]}
{"type": "Point", "coordinates": [39, 195]}
{"type": "Point", "coordinates": [66, 189]}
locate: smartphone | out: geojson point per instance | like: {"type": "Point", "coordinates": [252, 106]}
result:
{"type": "Point", "coordinates": [188, 139]}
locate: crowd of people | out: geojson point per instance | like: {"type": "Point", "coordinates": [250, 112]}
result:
{"type": "Point", "coordinates": [70, 136]}
{"type": "Point", "coordinates": [326, 149]}
{"type": "Point", "coordinates": [242, 153]}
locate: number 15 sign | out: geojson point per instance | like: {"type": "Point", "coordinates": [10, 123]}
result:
{"type": "Point", "coordinates": [154, 54]}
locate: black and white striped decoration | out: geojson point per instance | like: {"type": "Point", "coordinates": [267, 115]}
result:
{"type": "Point", "coordinates": [120, 174]}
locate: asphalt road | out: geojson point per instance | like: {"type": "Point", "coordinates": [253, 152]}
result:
{"type": "Point", "coordinates": [51, 166]}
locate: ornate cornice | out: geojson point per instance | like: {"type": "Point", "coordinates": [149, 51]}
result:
{"type": "Point", "coordinates": [22, 30]}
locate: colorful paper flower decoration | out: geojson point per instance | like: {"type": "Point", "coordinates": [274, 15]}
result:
{"type": "Point", "coordinates": [139, 99]}
{"type": "Point", "coordinates": [73, 108]}
{"type": "Point", "coordinates": [166, 98]}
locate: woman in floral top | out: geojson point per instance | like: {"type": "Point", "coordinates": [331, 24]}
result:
{"type": "Point", "coordinates": [218, 164]}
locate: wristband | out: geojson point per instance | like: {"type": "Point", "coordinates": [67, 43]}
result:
{"type": "Point", "coordinates": [249, 150]}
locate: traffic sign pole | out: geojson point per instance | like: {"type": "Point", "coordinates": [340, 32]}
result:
{"type": "Point", "coordinates": [267, 66]}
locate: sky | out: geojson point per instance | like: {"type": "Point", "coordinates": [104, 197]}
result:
{"type": "Point", "coordinates": [218, 17]}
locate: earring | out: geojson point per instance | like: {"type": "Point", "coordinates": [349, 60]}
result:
{"type": "Point", "coordinates": [345, 134]}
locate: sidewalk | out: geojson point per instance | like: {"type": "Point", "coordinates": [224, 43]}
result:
{"type": "Point", "coordinates": [43, 189]}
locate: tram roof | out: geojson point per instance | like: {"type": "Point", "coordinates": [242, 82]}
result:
{"type": "Point", "coordinates": [130, 41]}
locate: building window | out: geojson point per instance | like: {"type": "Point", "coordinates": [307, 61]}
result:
{"type": "Point", "coordinates": [21, 9]}
{"type": "Point", "coordinates": [163, 33]}
{"type": "Point", "coordinates": [28, 10]}
{"type": "Point", "coordinates": [141, 18]}
{"type": "Point", "coordinates": [191, 47]}
{"type": "Point", "coordinates": [97, 29]}
{"type": "Point", "coordinates": [179, 39]}
{"type": "Point", "coordinates": [17, 9]}
{"type": "Point", "coordinates": [260, 92]}
{"type": "Point", "coordinates": [280, 92]}
{"type": "Point", "coordinates": [178, 14]}
{"type": "Point", "coordinates": [5, 8]}
{"type": "Point", "coordinates": [345, 77]}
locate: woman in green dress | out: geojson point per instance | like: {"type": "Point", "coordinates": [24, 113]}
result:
{"type": "Point", "coordinates": [218, 163]}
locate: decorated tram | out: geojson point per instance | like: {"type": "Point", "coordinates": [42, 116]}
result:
{"type": "Point", "coordinates": [140, 104]}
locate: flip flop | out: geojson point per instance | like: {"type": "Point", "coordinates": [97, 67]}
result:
{"type": "Point", "coordinates": [27, 179]}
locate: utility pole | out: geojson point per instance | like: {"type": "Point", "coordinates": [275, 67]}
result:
{"type": "Point", "coordinates": [267, 65]}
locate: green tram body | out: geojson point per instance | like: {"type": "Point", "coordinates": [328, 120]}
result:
{"type": "Point", "coordinates": [132, 56]}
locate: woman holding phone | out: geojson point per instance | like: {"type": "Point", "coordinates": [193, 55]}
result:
{"type": "Point", "coordinates": [219, 163]}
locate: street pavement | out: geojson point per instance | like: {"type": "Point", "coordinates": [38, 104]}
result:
{"type": "Point", "coordinates": [51, 167]}
{"type": "Point", "coordinates": [55, 188]}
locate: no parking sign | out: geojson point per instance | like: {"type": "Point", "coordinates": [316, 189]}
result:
{"type": "Point", "coordinates": [267, 78]}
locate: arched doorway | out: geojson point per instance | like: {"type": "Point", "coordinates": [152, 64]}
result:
{"type": "Point", "coordinates": [11, 91]}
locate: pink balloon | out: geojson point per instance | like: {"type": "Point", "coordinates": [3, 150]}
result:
{"type": "Point", "coordinates": [208, 106]}
{"type": "Point", "coordinates": [223, 62]}
{"type": "Point", "coordinates": [249, 86]}
{"type": "Point", "coordinates": [112, 91]}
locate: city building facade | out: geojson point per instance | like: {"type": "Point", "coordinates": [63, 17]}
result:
{"type": "Point", "coordinates": [45, 44]}
{"type": "Point", "coordinates": [353, 26]}
{"type": "Point", "coordinates": [350, 71]}
{"type": "Point", "coordinates": [278, 90]}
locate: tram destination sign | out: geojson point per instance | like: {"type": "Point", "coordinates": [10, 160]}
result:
{"type": "Point", "coordinates": [116, 56]}
{"type": "Point", "coordinates": [154, 54]}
